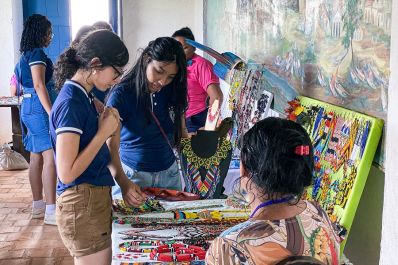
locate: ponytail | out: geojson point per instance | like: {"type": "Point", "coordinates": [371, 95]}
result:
{"type": "Point", "coordinates": [103, 44]}
{"type": "Point", "coordinates": [66, 67]}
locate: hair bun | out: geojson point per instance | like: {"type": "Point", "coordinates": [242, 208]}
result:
{"type": "Point", "coordinates": [72, 56]}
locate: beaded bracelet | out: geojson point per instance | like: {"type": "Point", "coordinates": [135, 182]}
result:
{"type": "Point", "coordinates": [177, 253]}
{"type": "Point", "coordinates": [136, 250]}
{"type": "Point", "coordinates": [127, 246]}
{"type": "Point", "coordinates": [206, 214]}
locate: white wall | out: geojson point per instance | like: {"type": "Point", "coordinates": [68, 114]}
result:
{"type": "Point", "coordinates": [363, 243]}
{"type": "Point", "coordinates": [145, 20]}
{"type": "Point", "coordinates": [10, 21]}
{"type": "Point", "coordinates": [389, 238]}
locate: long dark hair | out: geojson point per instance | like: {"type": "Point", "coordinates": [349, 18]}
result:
{"type": "Point", "coordinates": [184, 32]}
{"type": "Point", "coordinates": [268, 154]}
{"type": "Point", "coordinates": [164, 49]}
{"type": "Point", "coordinates": [35, 31]}
{"type": "Point", "coordinates": [104, 44]}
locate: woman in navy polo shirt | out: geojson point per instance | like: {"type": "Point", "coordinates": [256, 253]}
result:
{"type": "Point", "coordinates": [34, 73]}
{"type": "Point", "coordinates": [154, 90]}
{"type": "Point", "coordinates": [78, 135]}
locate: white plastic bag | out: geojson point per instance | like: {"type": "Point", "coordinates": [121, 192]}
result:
{"type": "Point", "coordinates": [11, 160]}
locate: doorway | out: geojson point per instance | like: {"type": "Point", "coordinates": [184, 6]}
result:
{"type": "Point", "coordinates": [87, 12]}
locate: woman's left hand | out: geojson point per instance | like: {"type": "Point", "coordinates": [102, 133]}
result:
{"type": "Point", "coordinates": [99, 106]}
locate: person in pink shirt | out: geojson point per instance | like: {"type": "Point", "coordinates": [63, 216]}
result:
{"type": "Point", "coordinates": [203, 84]}
{"type": "Point", "coordinates": [13, 86]}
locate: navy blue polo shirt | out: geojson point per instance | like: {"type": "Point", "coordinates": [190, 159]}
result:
{"type": "Point", "coordinates": [31, 58]}
{"type": "Point", "coordinates": [100, 95]}
{"type": "Point", "coordinates": [142, 145]}
{"type": "Point", "coordinates": [74, 112]}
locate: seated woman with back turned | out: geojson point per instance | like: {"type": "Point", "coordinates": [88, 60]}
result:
{"type": "Point", "coordinates": [276, 166]}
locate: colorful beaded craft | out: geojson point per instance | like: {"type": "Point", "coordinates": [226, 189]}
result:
{"type": "Point", "coordinates": [128, 246]}
{"type": "Point", "coordinates": [215, 159]}
{"type": "Point", "coordinates": [130, 256]}
{"type": "Point", "coordinates": [206, 187]}
{"type": "Point", "coordinates": [339, 140]}
{"type": "Point", "coordinates": [178, 253]}
{"type": "Point", "coordinates": [150, 205]}
{"type": "Point", "coordinates": [236, 203]}
{"type": "Point", "coordinates": [207, 214]}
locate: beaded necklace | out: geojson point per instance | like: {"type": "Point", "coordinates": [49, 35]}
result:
{"type": "Point", "coordinates": [202, 241]}
{"type": "Point", "coordinates": [197, 161]}
{"type": "Point", "coordinates": [245, 102]}
{"type": "Point", "coordinates": [207, 187]}
{"type": "Point", "coordinates": [237, 82]}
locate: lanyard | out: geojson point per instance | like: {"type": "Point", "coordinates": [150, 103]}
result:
{"type": "Point", "coordinates": [267, 203]}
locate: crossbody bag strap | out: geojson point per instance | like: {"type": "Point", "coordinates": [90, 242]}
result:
{"type": "Point", "coordinates": [163, 132]}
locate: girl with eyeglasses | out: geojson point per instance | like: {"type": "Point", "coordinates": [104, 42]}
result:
{"type": "Point", "coordinates": [78, 133]}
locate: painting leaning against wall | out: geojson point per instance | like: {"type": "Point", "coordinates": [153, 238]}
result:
{"type": "Point", "coordinates": [334, 51]}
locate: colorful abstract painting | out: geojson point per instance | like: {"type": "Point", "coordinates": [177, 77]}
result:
{"type": "Point", "coordinates": [336, 51]}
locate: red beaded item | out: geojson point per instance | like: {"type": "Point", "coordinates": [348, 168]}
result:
{"type": "Point", "coordinates": [177, 253]}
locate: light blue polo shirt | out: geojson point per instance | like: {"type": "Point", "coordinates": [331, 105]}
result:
{"type": "Point", "coordinates": [142, 145]}
{"type": "Point", "coordinates": [74, 112]}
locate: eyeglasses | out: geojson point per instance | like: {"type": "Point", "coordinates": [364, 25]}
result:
{"type": "Point", "coordinates": [118, 72]}
{"type": "Point", "coordinates": [50, 34]}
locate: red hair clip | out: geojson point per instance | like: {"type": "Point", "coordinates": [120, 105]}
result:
{"type": "Point", "coordinates": [302, 150]}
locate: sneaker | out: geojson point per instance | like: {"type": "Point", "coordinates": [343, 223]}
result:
{"type": "Point", "coordinates": [49, 219]}
{"type": "Point", "coordinates": [38, 213]}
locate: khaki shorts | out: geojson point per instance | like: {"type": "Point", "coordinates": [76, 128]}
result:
{"type": "Point", "coordinates": [84, 219]}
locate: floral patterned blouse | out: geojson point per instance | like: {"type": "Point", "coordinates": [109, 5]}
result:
{"type": "Point", "coordinates": [310, 233]}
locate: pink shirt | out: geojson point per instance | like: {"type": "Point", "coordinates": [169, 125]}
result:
{"type": "Point", "coordinates": [200, 76]}
{"type": "Point", "coordinates": [13, 80]}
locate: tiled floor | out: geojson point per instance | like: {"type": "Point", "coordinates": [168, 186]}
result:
{"type": "Point", "coordinates": [24, 241]}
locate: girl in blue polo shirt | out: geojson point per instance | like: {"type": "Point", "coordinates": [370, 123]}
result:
{"type": "Point", "coordinates": [34, 74]}
{"type": "Point", "coordinates": [78, 135]}
{"type": "Point", "coordinates": [151, 101]}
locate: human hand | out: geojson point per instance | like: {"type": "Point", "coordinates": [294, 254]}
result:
{"type": "Point", "coordinates": [99, 106]}
{"type": "Point", "coordinates": [108, 121]}
{"type": "Point", "coordinates": [191, 134]}
{"type": "Point", "coordinates": [132, 194]}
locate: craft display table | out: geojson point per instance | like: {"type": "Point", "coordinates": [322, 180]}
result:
{"type": "Point", "coordinates": [138, 247]}
{"type": "Point", "coordinates": [17, 144]}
